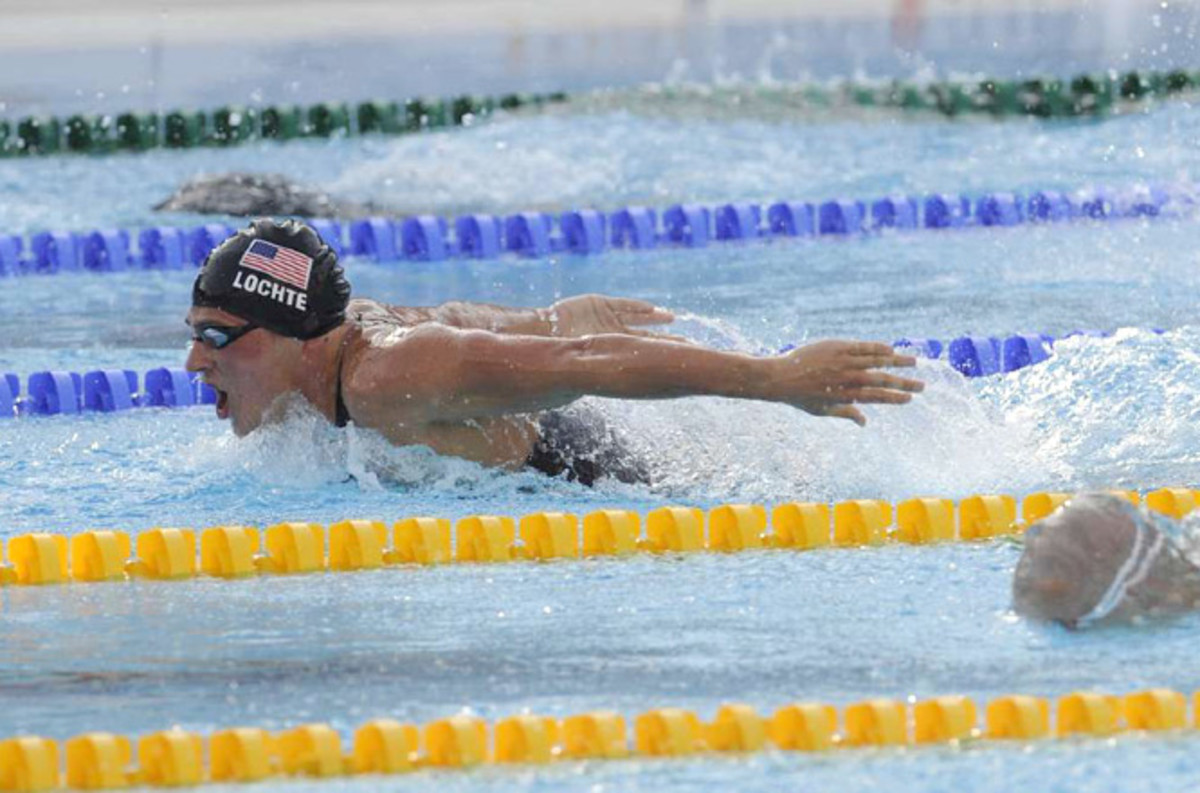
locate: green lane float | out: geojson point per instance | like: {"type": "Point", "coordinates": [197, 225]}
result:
{"type": "Point", "coordinates": [1081, 96]}
{"type": "Point", "coordinates": [232, 125]}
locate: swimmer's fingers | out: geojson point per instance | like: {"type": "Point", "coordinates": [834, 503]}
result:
{"type": "Point", "coordinates": [650, 334]}
{"type": "Point", "coordinates": [868, 354]}
{"type": "Point", "coordinates": [847, 412]}
{"type": "Point", "coordinates": [863, 396]}
{"type": "Point", "coordinates": [875, 379]}
{"type": "Point", "coordinates": [872, 349]}
{"type": "Point", "coordinates": [882, 396]}
{"type": "Point", "coordinates": [888, 360]}
{"type": "Point", "coordinates": [639, 312]}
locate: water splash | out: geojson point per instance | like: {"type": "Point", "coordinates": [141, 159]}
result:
{"type": "Point", "coordinates": [304, 451]}
{"type": "Point", "coordinates": [1116, 412]}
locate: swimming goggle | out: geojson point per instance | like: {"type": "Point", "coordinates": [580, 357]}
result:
{"type": "Point", "coordinates": [217, 337]}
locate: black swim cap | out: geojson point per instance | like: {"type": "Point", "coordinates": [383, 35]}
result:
{"type": "Point", "coordinates": [281, 276]}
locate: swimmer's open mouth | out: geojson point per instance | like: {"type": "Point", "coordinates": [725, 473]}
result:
{"type": "Point", "coordinates": [222, 403]}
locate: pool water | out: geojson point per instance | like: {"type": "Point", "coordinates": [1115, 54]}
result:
{"type": "Point", "coordinates": [764, 628]}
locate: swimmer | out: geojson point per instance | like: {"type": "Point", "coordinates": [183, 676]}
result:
{"type": "Point", "coordinates": [1099, 559]}
{"type": "Point", "coordinates": [272, 317]}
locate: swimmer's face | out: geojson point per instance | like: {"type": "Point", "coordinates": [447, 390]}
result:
{"type": "Point", "coordinates": [248, 374]}
{"type": "Point", "coordinates": [1071, 558]}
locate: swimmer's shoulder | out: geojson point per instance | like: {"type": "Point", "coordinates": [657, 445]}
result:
{"type": "Point", "coordinates": [367, 313]}
{"type": "Point", "coordinates": [393, 373]}
{"type": "Point", "coordinates": [362, 311]}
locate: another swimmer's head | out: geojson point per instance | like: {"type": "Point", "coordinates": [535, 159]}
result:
{"type": "Point", "coordinates": [262, 296]}
{"type": "Point", "coordinates": [1072, 556]}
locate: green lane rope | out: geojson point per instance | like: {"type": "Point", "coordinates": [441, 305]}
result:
{"type": "Point", "coordinates": [1085, 95]}
{"type": "Point", "coordinates": [233, 125]}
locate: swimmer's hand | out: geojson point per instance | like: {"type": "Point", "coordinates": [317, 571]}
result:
{"type": "Point", "coordinates": [828, 378]}
{"type": "Point", "coordinates": [590, 315]}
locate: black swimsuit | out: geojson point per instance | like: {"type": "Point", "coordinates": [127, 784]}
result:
{"type": "Point", "coordinates": [341, 414]}
{"type": "Point", "coordinates": [579, 444]}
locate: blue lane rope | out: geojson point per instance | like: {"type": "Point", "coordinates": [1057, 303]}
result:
{"type": "Point", "coordinates": [110, 390]}
{"type": "Point", "coordinates": [590, 232]}
{"type": "Point", "coordinates": [56, 392]}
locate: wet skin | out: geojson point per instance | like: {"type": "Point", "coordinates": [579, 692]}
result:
{"type": "Point", "coordinates": [473, 393]}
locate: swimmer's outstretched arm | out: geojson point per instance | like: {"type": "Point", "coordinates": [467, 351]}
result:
{"type": "Point", "coordinates": [438, 374]}
{"type": "Point", "coordinates": [571, 317]}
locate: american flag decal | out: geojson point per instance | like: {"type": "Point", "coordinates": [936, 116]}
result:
{"type": "Point", "coordinates": [289, 266]}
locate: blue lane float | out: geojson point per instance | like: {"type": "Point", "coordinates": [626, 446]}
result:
{"type": "Point", "coordinates": [634, 227]}
{"type": "Point", "coordinates": [895, 212]}
{"type": "Point", "coordinates": [113, 390]}
{"type": "Point", "coordinates": [54, 252]}
{"type": "Point", "coordinates": [947, 211]}
{"type": "Point", "coordinates": [107, 390]}
{"type": "Point", "coordinates": [172, 388]}
{"type": "Point", "coordinates": [1000, 209]}
{"type": "Point", "coordinates": [162, 248]}
{"type": "Point", "coordinates": [974, 356]}
{"type": "Point", "coordinates": [1097, 205]}
{"type": "Point", "coordinates": [529, 234]}
{"type": "Point", "coordinates": [202, 239]}
{"type": "Point", "coordinates": [841, 217]}
{"type": "Point", "coordinates": [11, 248]}
{"type": "Point", "coordinates": [478, 236]}
{"type": "Point", "coordinates": [1049, 206]}
{"type": "Point", "coordinates": [10, 390]}
{"type": "Point", "coordinates": [688, 225]}
{"type": "Point", "coordinates": [792, 219]}
{"type": "Point", "coordinates": [738, 221]}
{"type": "Point", "coordinates": [56, 392]}
{"type": "Point", "coordinates": [106, 250]}
{"type": "Point", "coordinates": [584, 232]}
{"type": "Point", "coordinates": [981, 356]}
{"type": "Point", "coordinates": [425, 238]}
{"type": "Point", "coordinates": [374, 238]}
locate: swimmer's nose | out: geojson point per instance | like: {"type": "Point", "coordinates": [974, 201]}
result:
{"type": "Point", "coordinates": [198, 358]}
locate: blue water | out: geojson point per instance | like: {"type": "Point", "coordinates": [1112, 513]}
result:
{"type": "Point", "coordinates": [765, 628]}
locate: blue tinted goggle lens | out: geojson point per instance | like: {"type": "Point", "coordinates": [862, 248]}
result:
{"type": "Point", "coordinates": [219, 336]}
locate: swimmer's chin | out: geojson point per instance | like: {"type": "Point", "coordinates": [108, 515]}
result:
{"type": "Point", "coordinates": [283, 408]}
{"type": "Point", "coordinates": [241, 428]}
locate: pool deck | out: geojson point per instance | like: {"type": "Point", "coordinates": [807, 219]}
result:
{"type": "Point", "coordinates": [70, 56]}
{"type": "Point", "coordinates": [62, 24]}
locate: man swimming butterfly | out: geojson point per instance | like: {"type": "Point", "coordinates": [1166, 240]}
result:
{"type": "Point", "coordinates": [272, 316]}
